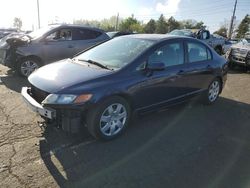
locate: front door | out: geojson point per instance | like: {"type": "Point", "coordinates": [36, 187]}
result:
{"type": "Point", "coordinates": [158, 88]}
{"type": "Point", "coordinates": [58, 45]}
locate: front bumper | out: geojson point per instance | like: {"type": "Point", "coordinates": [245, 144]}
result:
{"type": "Point", "coordinates": [35, 106]}
{"type": "Point", "coordinates": [2, 56]}
{"type": "Point", "coordinates": [238, 58]}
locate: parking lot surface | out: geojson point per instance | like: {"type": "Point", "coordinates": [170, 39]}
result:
{"type": "Point", "coordinates": [189, 145]}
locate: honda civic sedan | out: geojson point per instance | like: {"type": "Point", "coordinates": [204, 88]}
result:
{"type": "Point", "coordinates": [103, 86]}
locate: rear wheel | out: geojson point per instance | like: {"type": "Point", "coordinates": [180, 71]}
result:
{"type": "Point", "coordinates": [213, 92]}
{"type": "Point", "coordinates": [28, 65]}
{"type": "Point", "coordinates": [109, 119]}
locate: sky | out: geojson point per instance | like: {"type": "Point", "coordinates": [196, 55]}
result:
{"type": "Point", "coordinates": [212, 12]}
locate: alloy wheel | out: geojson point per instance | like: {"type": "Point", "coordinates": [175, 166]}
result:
{"type": "Point", "coordinates": [113, 119]}
{"type": "Point", "coordinates": [27, 67]}
{"type": "Point", "coordinates": [214, 91]}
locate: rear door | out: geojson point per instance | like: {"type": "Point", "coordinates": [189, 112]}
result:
{"type": "Point", "coordinates": [85, 38]}
{"type": "Point", "coordinates": [200, 68]}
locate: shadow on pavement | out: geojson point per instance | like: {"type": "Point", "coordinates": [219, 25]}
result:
{"type": "Point", "coordinates": [14, 82]}
{"type": "Point", "coordinates": [189, 145]}
{"type": "Point", "coordinates": [239, 70]}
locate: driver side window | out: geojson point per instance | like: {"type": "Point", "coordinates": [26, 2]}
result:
{"type": "Point", "coordinates": [60, 35]}
{"type": "Point", "coordinates": [170, 54]}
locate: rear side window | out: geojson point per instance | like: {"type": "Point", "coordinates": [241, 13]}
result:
{"type": "Point", "coordinates": [85, 34]}
{"type": "Point", "coordinates": [169, 54]}
{"type": "Point", "coordinates": [198, 52]}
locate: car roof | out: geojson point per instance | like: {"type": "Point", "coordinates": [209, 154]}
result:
{"type": "Point", "coordinates": [76, 26]}
{"type": "Point", "coordinates": [156, 37]}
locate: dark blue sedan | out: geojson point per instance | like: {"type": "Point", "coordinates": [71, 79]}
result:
{"type": "Point", "coordinates": [104, 85]}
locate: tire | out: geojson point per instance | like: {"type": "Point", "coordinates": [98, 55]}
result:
{"type": "Point", "coordinates": [218, 49]}
{"type": "Point", "coordinates": [105, 122]}
{"type": "Point", "coordinates": [28, 65]}
{"type": "Point", "coordinates": [213, 91]}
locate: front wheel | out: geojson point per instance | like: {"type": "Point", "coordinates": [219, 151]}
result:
{"type": "Point", "coordinates": [213, 92]}
{"type": "Point", "coordinates": [109, 119]}
{"type": "Point", "coordinates": [26, 66]}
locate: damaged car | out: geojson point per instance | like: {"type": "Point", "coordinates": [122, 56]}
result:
{"type": "Point", "coordinates": [102, 87]}
{"type": "Point", "coordinates": [27, 52]}
{"type": "Point", "coordinates": [239, 54]}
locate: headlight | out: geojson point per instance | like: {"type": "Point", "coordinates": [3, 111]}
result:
{"type": "Point", "coordinates": [66, 99]}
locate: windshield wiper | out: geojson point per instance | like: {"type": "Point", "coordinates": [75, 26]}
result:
{"type": "Point", "coordinates": [95, 63]}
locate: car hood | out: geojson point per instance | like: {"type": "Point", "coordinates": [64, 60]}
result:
{"type": "Point", "coordinates": [63, 74]}
{"type": "Point", "coordinates": [241, 46]}
{"type": "Point", "coordinates": [15, 40]}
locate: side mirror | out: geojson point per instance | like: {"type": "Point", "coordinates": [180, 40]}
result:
{"type": "Point", "coordinates": [156, 66]}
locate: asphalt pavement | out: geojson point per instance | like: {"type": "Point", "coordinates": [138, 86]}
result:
{"type": "Point", "coordinates": [190, 145]}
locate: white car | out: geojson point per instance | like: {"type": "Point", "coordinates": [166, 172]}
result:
{"type": "Point", "coordinates": [240, 54]}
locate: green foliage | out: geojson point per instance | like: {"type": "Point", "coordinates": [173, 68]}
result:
{"type": "Point", "coordinates": [17, 23]}
{"type": "Point", "coordinates": [191, 24]}
{"type": "Point", "coordinates": [172, 24]}
{"type": "Point", "coordinates": [244, 27]}
{"type": "Point", "coordinates": [150, 27]}
{"type": "Point", "coordinates": [222, 31]}
{"type": "Point", "coordinates": [105, 24]}
{"type": "Point", "coordinates": [131, 25]}
{"type": "Point", "coordinates": [161, 25]}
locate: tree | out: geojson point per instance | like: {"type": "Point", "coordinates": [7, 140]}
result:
{"type": "Point", "coordinates": [222, 31]}
{"type": "Point", "coordinates": [161, 25]}
{"type": "Point", "coordinates": [108, 24]}
{"type": "Point", "coordinates": [150, 27]}
{"type": "Point", "coordinates": [192, 24]}
{"type": "Point", "coordinates": [244, 27]}
{"type": "Point", "coordinates": [172, 24]}
{"type": "Point", "coordinates": [131, 25]}
{"type": "Point", "coordinates": [17, 23]}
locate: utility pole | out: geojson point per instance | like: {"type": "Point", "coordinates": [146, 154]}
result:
{"type": "Point", "coordinates": [38, 13]}
{"type": "Point", "coordinates": [117, 20]}
{"type": "Point", "coordinates": [232, 21]}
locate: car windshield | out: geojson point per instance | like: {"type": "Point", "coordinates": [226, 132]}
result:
{"type": "Point", "coordinates": [40, 32]}
{"type": "Point", "coordinates": [116, 53]}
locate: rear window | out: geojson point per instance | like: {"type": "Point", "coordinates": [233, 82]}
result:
{"type": "Point", "coordinates": [85, 34]}
{"type": "Point", "coordinates": [198, 52]}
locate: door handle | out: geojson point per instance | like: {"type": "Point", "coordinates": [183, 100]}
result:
{"type": "Point", "coordinates": [181, 72]}
{"type": "Point", "coordinates": [70, 46]}
{"type": "Point", "coordinates": [209, 67]}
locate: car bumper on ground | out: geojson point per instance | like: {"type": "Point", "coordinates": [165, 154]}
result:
{"type": "Point", "coordinates": [35, 106]}
{"type": "Point", "coordinates": [2, 56]}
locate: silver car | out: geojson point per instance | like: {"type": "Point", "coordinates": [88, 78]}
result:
{"type": "Point", "coordinates": [240, 54]}
{"type": "Point", "coordinates": [27, 52]}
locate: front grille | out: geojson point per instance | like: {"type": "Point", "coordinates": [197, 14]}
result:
{"type": "Point", "coordinates": [239, 52]}
{"type": "Point", "coordinates": [38, 94]}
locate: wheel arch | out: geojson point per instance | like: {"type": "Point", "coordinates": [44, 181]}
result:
{"type": "Point", "coordinates": [218, 47]}
{"type": "Point", "coordinates": [39, 59]}
{"type": "Point", "coordinates": [221, 82]}
{"type": "Point", "coordinates": [125, 96]}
